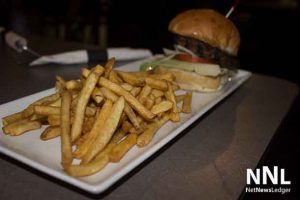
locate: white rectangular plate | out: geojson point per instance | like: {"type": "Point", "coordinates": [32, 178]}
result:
{"type": "Point", "coordinates": [45, 156]}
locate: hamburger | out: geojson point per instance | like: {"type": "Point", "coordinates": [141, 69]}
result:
{"type": "Point", "coordinates": [206, 46]}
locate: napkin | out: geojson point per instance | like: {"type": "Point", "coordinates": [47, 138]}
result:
{"type": "Point", "coordinates": [85, 56]}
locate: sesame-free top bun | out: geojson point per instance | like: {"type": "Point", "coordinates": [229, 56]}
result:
{"type": "Point", "coordinates": [208, 26]}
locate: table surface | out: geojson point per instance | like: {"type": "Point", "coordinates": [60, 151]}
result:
{"type": "Point", "coordinates": [208, 160]}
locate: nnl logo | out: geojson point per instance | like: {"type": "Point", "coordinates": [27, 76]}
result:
{"type": "Point", "coordinates": [266, 172]}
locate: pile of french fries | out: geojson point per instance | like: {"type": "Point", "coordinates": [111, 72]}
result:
{"type": "Point", "coordinates": [102, 115]}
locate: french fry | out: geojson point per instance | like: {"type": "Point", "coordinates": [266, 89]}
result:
{"type": "Point", "coordinates": [174, 115]}
{"type": "Point", "coordinates": [109, 66]}
{"type": "Point", "coordinates": [135, 91]}
{"type": "Point", "coordinates": [36, 117]}
{"type": "Point", "coordinates": [144, 94]}
{"type": "Point", "coordinates": [73, 85]}
{"type": "Point", "coordinates": [147, 136]}
{"type": "Point", "coordinates": [98, 125]}
{"type": "Point", "coordinates": [105, 134]}
{"type": "Point", "coordinates": [50, 132]}
{"type": "Point", "coordinates": [158, 100]}
{"type": "Point", "coordinates": [103, 114]}
{"type": "Point", "coordinates": [83, 99]}
{"type": "Point", "coordinates": [122, 148]}
{"type": "Point", "coordinates": [179, 98]}
{"type": "Point", "coordinates": [97, 95]}
{"type": "Point", "coordinates": [186, 106]}
{"type": "Point", "coordinates": [149, 103]}
{"type": "Point", "coordinates": [113, 76]}
{"type": "Point", "coordinates": [131, 79]}
{"type": "Point", "coordinates": [126, 86]}
{"type": "Point", "coordinates": [46, 110]}
{"type": "Point", "coordinates": [56, 103]}
{"type": "Point", "coordinates": [136, 105]}
{"type": "Point", "coordinates": [107, 93]}
{"type": "Point", "coordinates": [85, 72]}
{"type": "Point", "coordinates": [65, 124]}
{"type": "Point", "coordinates": [101, 160]}
{"type": "Point", "coordinates": [126, 126]}
{"type": "Point", "coordinates": [162, 107]}
{"type": "Point", "coordinates": [87, 125]}
{"type": "Point", "coordinates": [118, 136]}
{"type": "Point", "coordinates": [11, 118]}
{"type": "Point", "coordinates": [53, 120]}
{"type": "Point", "coordinates": [157, 93]}
{"type": "Point", "coordinates": [60, 83]}
{"type": "Point", "coordinates": [156, 83]}
{"type": "Point", "coordinates": [20, 127]}
{"type": "Point", "coordinates": [48, 99]}
{"type": "Point", "coordinates": [131, 116]}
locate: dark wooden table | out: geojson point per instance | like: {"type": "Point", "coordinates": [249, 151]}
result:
{"type": "Point", "coordinates": [207, 161]}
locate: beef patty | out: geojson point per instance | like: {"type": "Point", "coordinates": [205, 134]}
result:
{"type": "Point", "coordinates": [209, 52]}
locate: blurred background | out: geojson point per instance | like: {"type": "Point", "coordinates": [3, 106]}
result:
{"type": "Point", "coordinates": [269, 28]}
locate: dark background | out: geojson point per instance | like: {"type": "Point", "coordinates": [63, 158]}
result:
{"type": "Point", "coordinates": [269, 28]}
{"type": "Point", "coordinates": [269, 32]}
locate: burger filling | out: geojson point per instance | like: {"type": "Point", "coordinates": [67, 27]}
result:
{"type": "Point", "coordinates": [207, 52]}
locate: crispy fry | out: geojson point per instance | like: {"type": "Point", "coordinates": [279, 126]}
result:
{"type": "Point", "coordinates": [56, 103]}
{"type": "Point", "coordinates": [174, 115]}
{"type": "Point", "coordinates": [107, 93]}
{"type": "Point", "coordinates": [135, 91]}
{"type": "Point", "coordinates": [149, 103]}
{"type": "Point", "coordinates": [60, 83]}
{"type": "Point", "coordinates": [136, 105]}
{"type": "Point", "coordinates": [186, 106]}
{"type": "Point", "coordinates": [122, 148]}
{"type": "Point", "coordinates": [131, 79]}
{"type": "Point", "coordinates": [46, 110]}
{"type": "Point", "coordinates": [53, 120]}
{"type": "Point", "coordinates": [144, 94]}
{"type": "Point", "coordinates": [118, 136]}
{"type": "Point", "coordinates": [131, 116]}
{"type": "Point", "coordinates": [101, 160]}
{"type": "Point", "coordinates": [109, 66]}
{"type": "Point", "coordinates": [65, 124]}
{"type": "Point", "coordinates": [113, 76]}
{"type": "Point", "coordinates": [158, 100]}
{"type": "Point", "coordinates": [126, 126]}
{"type": "Point", "coordinates": [156, 83]}
{"type": "Point", "coordinates": [87, 125]}
{"type": "Point", "coordinates": [126, 86]}
{"type": "Point", "coordinates": [20, 127]}
{"type": "Point", "coordinates": [48, 99]}
{"type": "Point", "coordinates": [162, 107]}
{"type": "Point", "coordinates": [157, 93]}
{"type": "Point", "coordinates": [97, 95]}
{"type": "Point", "coordinates": [11, 118]}
{"type": "Point", "coordinates": [83, 99]}
{"type": "Point", "coordinates": [73, 85]}
{"type": "Point", "coordinates": [85, 72]}
{"type": "Point", "coordinates": [98, 125]}
{"type": "Point", "coordinates": [179, 98]}
{"type": "Point", "coordinates": [147, 136]}
{"type": "Point", "coordinates": [106, 132]}
{"type": "Point", "coordinates": [50, 132]}
{"type": "Point", "coordinates": [36, 117]}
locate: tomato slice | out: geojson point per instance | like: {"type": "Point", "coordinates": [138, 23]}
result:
{"type": "Point", "coordinates": [190, 58]}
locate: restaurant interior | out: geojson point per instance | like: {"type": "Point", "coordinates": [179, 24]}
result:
{"type": "Point", "coordinates": [269, 31]}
